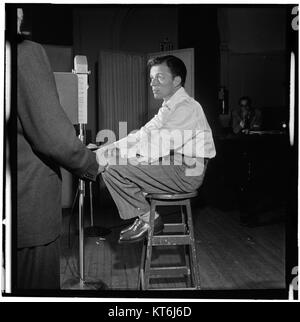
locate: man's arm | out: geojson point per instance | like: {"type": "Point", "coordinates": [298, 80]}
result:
{"type": "Point", "coordinates": [237, 123]}
{"type": "Point", "coordinates": [257, 120]}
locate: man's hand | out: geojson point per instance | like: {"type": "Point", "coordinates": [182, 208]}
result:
{"type": "Point", "coordinates": [92, 146]}
{"type": "Point", "coordinates": [105, 155]}
{"type": "Point", "coordinates": [101, 157]}
{"type": "Point", "coordinates": [246, 131]}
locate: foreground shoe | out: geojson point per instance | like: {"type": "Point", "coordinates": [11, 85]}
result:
{"type": "Point", "coordinates": [130, 227]}
{"type": "Point", "coordinates": [140, 231]}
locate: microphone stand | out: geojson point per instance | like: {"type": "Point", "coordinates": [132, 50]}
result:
{"type": "Point", "coordinates": [94, 231]}
{"type": "Point", "coordinates": [80, 64]}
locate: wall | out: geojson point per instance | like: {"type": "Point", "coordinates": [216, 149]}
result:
{"type": "Point", "coordinates": [49, 23]}
{"type": "Point", "coordinates": [128, 28]}
{"type": "Point", "coordinates": [60, 58]}
{"type": "Point", "coordinates": [256, 29]}
{"type": "Point", "coordinates": [138, 29]}
{"type": "Point", "coordinates": [249, 58]}
{"type": "Point", "coordinates": [253, 57]}
{"type": "Point", "coordinates": [198, 29]}
{"type": "Point", "coordinates": [144, 28]}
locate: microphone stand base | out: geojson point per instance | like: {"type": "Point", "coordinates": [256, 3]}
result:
{"type": "Point", "coordinates": [78, 284]}
{"type": "Point", "coordinates": [96, 231]}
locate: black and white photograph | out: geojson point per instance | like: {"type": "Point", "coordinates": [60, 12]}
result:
{"type": "Point", "coordinates": [150, 151]}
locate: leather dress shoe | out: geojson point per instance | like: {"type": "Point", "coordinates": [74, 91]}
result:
{"type": "Point", "coordinates": [140, 231]}
{"type": "Point", "coordinates": [126, 229]}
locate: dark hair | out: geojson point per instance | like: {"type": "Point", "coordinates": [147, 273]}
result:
{"type": "Point", "coordinates": [176, 65]}
{"type": "Point", "coordinates": [245, 98]}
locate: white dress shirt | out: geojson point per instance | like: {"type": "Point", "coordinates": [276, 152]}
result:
{"type": "Point", "coordinates": [180, 125]}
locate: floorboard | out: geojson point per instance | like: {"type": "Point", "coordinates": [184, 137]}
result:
{"type": "Point", "coordinates": [230, 256]}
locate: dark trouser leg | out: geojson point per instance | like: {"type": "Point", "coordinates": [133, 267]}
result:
{"type": "Point", "coordinates": [39, 267]}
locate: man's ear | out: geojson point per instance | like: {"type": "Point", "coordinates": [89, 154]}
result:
{"type": "Point", "coordinates": [177, 81]}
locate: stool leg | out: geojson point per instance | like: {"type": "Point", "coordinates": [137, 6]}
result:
{"type": "Point", "coordinates": [149, 244]}
{"type": "Point", "coordinates": [142, 266]}
{"type": "Point", "coordinates": [182, 215]}
{"type": "Point", "coordinates": [193, 245]}
{"type": "Point", "coordinates": [185, 247]}
{"type": "Point", "coordinates": [91, 204]}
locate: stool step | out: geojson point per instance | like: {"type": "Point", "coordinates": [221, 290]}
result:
{"type": "Point", "coordinates": [169, 271]}
{"type": "Point", "coordinates": [174, 228]}
{"type": "Point", "coordinates": [174, 289]}
{"type": "Point", "coordinates": [178, 233]}
{"type": "Point", "coordinates": [172, 240]}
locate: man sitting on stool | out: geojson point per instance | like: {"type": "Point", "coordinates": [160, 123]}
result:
{"type": "Point", "coordinates": [167, 155]}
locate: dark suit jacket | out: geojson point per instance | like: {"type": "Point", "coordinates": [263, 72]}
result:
{"type": "Point", "coordinates": [255, 120]}
{"type": "Point", "coordinates": [46, 140]}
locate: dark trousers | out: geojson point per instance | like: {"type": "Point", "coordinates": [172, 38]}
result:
{"type": "Point", "coordinates": [39, 267]}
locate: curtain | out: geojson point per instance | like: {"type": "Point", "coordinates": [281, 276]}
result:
{"type": "Point", "coordinates": [122, 91]}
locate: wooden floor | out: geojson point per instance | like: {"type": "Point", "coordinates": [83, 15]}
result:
{"type": "Point", "coordinates": [230, 256]}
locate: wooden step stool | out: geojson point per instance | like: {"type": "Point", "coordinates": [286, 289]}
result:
{"type": "Point", "coordinates": [176, 234]}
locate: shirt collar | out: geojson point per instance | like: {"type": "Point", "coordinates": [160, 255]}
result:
{"type": "Point", "coordinates": [175, 98]}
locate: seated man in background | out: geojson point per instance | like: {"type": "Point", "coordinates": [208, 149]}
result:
{"type": "Point", "coordinates": [245, 118]}
{"type": "Point", "coordinates": [167, 155]}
